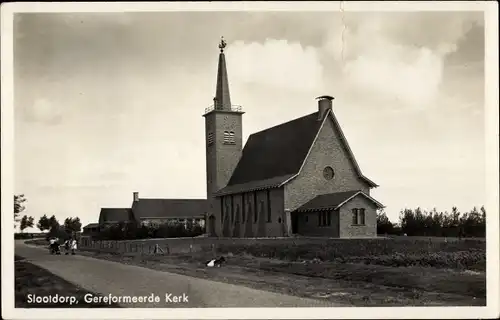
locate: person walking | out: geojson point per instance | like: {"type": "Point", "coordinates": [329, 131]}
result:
{"type": "Point", "coordinates": [73, 246]}
{"type": "Point", "coordinates": [67, 246]}
{"type": "Point", "coordinates": [54, 245]}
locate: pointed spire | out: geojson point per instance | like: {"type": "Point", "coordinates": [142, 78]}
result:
{"type": "Point", "coordinates": [222, 100]}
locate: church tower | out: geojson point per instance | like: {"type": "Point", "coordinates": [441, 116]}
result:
{"type": "Point", "coordinates": [223, 140]}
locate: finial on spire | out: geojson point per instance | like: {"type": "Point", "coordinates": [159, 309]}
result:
{"type": "Point", "coordinates": [222, 44]}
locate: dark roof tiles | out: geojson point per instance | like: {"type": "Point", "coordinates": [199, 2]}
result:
{"type": "Point", "coordinates": [91, 225]}
{"type": "Point", "coordinates": [332, 200]}
{"type": "Point", "coordinates": [115, 215]}
{"type": "Point", "coordinates": [273, 156]}
{"type": "Point", "coordinates": [169, 208]}
{"type": "Point", "coordinates": [276, 152]}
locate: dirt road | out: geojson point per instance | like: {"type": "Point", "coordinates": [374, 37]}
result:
{"type": "Point", "coordinates": [173, 290]}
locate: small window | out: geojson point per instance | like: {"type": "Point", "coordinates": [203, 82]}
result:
{"type": "Point", "coordinates": [361, 217]}
{"type": "Point", "coordinates": [328, 173]}
{"type": "Point", "coordinates": [354, 216]}
{"type": "Point", "coordinates": [306, 218]}
{"type": "Point", "coordinates": [324, 219]}
{"type": "Point", "coordinates": [210, 138]}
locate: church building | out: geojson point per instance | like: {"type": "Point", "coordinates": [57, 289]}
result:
{"type": "Point", "coordinates": [299, 177]}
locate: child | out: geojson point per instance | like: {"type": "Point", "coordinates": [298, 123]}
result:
{"type": "Point", "coordinates": [67, 245]}
{"type": "Point", "coordinates": [73, 246]}
{"type": "Point", "coordinates": [54, 245]}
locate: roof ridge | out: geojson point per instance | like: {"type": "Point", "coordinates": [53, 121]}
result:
{"type": "Point", "coordinates": [343, 140]}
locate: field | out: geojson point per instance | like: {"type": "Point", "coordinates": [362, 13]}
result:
{"type": "Point", "coordinates": [356, 272]}
{"type": "Point", "coordinates": [31, 279]}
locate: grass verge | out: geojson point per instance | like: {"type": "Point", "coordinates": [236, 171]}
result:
{"type": "Point", "coordinates": [350, 284]}
{"type": "Point", "coordinates": [37, 282]}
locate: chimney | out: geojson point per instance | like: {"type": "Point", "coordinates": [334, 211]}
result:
{"type": "Point", "coordinates": [136, 196]}
{"type": "Point", "coordinates": [324, 104]}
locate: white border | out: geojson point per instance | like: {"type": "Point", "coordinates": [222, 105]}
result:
{"type": "Point", "coordinates": [490, 9]}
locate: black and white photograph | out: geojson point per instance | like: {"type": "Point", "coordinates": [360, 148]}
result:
{"type": "Point", "coordinates": [250, 160]}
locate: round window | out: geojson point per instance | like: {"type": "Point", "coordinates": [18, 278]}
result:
{"type": "Point", "coordinates": [328, 173]}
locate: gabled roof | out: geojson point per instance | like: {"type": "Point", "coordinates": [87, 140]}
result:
{"type": "Point", "coordinates": [333, 201]}
{"type": "Point", "coordinates": [278, 153]}
{"type": "Point", "coordinates": [91, 225]}
{"type": "Point", "coordinates": [255, 185]}
{"type": "Point", "coordinates": [115, 215]}
{"type": "Point", "coordinates": [349, 151]}
{"type": "Point", "coordinates": [169, 208]}
{"type": "Point", "coordinates": [274, 154]}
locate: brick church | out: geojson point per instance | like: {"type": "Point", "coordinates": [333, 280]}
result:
{"type": "Point", "coordinates": [299, 177]}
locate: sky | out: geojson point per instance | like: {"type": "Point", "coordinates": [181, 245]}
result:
{"type": "Point", "coordinates": [111, 103]}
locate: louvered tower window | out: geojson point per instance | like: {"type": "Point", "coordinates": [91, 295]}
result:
{"type": "Point", "coordinates": [229, 137]}
{"type": "Point", "coordinates": [210, 138]}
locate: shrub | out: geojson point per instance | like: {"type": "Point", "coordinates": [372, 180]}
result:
{"type": "Point", "coordinates": [393, 252]}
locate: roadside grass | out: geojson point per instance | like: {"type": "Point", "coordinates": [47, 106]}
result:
{"type": "Point", "coordinates": [356, 272]}
{"type": "Point", "coordinates": [347, 284]}
{"type": "Point", "coordinates": [31, 279]}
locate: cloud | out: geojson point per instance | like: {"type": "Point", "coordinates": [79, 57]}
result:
{"type": "Point", "coordinates": [414, 82]}
{"type": "Point", "coordinates": [276, 63]}
{"type": "Point", "coordinates": [397, 58]}
{"type": "Point", "coordinates": [44, 111]}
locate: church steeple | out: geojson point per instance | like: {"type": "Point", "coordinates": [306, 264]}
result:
{"type": "Point", "coordinates": [224, 143]}
{"type": "Point", "coordinates": [222, 100]}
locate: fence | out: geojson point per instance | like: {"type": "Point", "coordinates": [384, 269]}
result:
{"type": "Point", "coordinates": [180, 245]}
{"type": "Point", "coordinates": [135, 247]}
